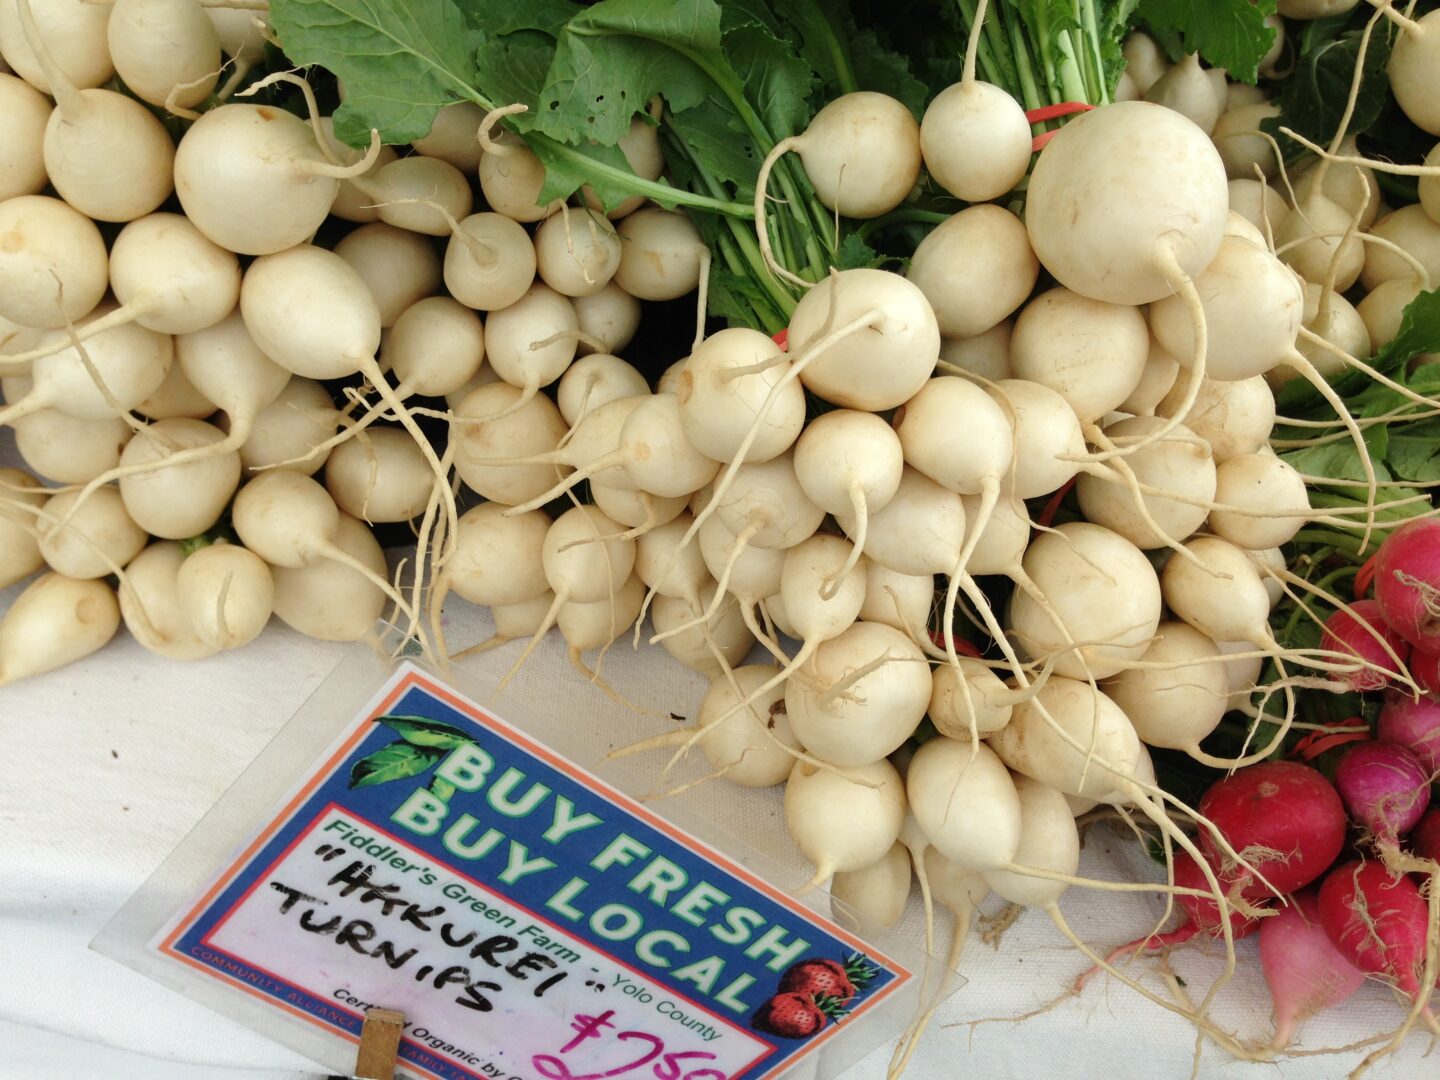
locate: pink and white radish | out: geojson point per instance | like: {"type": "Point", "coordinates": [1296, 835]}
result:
{"type": "Point", "coordinates": [1379, 921]}
{"type": "Point", "coordinates": [1407, 582]}
{"type": "Point", "coordinates": [1306, 973]}
{"type": "Point", "coordinates": [1413, 723]}
{"type": "Point", "coordinates": [1385, 787]}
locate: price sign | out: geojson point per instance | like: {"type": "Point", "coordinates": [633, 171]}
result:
{"type": "Point", "coordinates": [529, 920]}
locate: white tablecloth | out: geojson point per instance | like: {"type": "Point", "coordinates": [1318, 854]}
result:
{"type": "Point", "coordinates": [105, 765]}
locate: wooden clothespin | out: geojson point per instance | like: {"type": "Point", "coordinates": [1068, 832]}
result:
{"type": "Point", "coordinates": [379, 1043]}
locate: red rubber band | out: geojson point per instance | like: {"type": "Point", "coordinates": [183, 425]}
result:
{"type": "Point", "coordinates": [1318, 742]}
{"type": "Point", "coordinates": [1053, 112]}
{"type": "Point", "coordinates": [782, 338]}
{"type": "Point", "coordinates": [1052, 507]}
{"type": "Point", "coordinates": [1365, 576]}
{"type": "Point", "coordinates": [963, 647]}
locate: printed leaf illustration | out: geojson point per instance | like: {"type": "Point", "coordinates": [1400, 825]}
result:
{"type": "Point", "coordinates": [398, 761]}
{"type": "Point", "coordinates": [418, 731]}
{"type": "Point", "coordinates": [441, 788]}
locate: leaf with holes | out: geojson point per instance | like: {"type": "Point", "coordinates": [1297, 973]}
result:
{"type": "Point", "coordinates": [613, 57]}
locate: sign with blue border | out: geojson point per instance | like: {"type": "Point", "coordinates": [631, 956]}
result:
{"type": "Point", "coordinates": [530, 921]}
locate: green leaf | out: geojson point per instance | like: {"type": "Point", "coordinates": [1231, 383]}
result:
{"type": "Point", "coordinates": [1419, 332]}
{"type": "Point", "coordinates": [568, 167]}
{"type": "Point", "coordinates": [1313, 98]}
{"type": "Point", "coordinates": [398, 761]}
{"type": "Point", "coordinates": [776, 81]}
{"type": "Point", "coordinates": [855, 254]}
{"type": "Point", "coordinates": [512, 68]}
{"type": "Point", "coordinates": [715, 136]}
{"type": "Point", "coordinates": [884, 70]}
{"type": "Point", "coordinates": [421, 731]}
{"type": "Point", "coordinates": [1415, 451]}
{"type": "Point", "coordinates": [1339, 460]}
{"type": "Point", "coordinates": [607, 66]}
{"type": "Point", "coordinates": [441, 788]}
{"type": "Point", "coordinates": [1229, 34]}
{"type": "Point", "coordinates": [401, 60]}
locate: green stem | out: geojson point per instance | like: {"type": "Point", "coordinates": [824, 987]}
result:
{"type": "Point", "coordinates": [990, 42]}
{"type": "Point", "coordinates": [1067, 69]}
{"type": "Point", "coordinates": [1088, 18]}
{"type": "Point", "coordinates": [901, 217]}
{"type": "Point", "coordinates": [1025, 67]}
{"type": "Point", "coordinates": [844, 70]}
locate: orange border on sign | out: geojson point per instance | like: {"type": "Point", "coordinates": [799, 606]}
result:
{"type": "Point", "coordinates": [413, 677]}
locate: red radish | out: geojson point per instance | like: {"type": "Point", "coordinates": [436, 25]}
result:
{"type": "Point", "coordinates": [1361, 634]}
{"type": "Point", "coordinates": [1413, 723]}
{"type": "Point", "coordinates": [1424, 839]}
{"type": "Point", "coordinates": [1407, 582]}
{"type": "Point", "coordinates": [1377, 920]}
{"type": "Point", "coordinates": [1305, 971]}
{"type": "Point", "coordinates": [1284, 819]}
{"type": "Point", "coordinates": [1201, 916]}
{"type": "Point", "coordinates": [1385, 788]}
{"type": "Point", "coordinates": [791, 1016]}
{"type": "Point", "coordinates": [1425, 670]}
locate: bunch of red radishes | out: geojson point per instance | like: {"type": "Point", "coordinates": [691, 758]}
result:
{"type": "Point", "coordinates": [1335, 876]}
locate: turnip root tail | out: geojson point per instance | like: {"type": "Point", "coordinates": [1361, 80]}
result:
{"type": "Point", "coordinates": [488, 124]}
{"type": "Point", "coordinates": [317, 168]}
{"type": "Point", "coordinates": [798, 364]}
{"type": "Point", "coordinates": [1184, 287]}
{"type": "Point", "coordinates": [545, 625]}
{"type": "Point", "coordinates": [762, 233]}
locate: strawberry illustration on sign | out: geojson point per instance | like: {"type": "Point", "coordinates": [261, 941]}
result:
{"type": "Point", "coordinates": [813, 992]}
{"type": "Point", "coordinates": [791, 1016]}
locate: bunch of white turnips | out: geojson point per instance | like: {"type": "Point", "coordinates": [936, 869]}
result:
{"type": "Point", "coordinates": [158, 386]}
